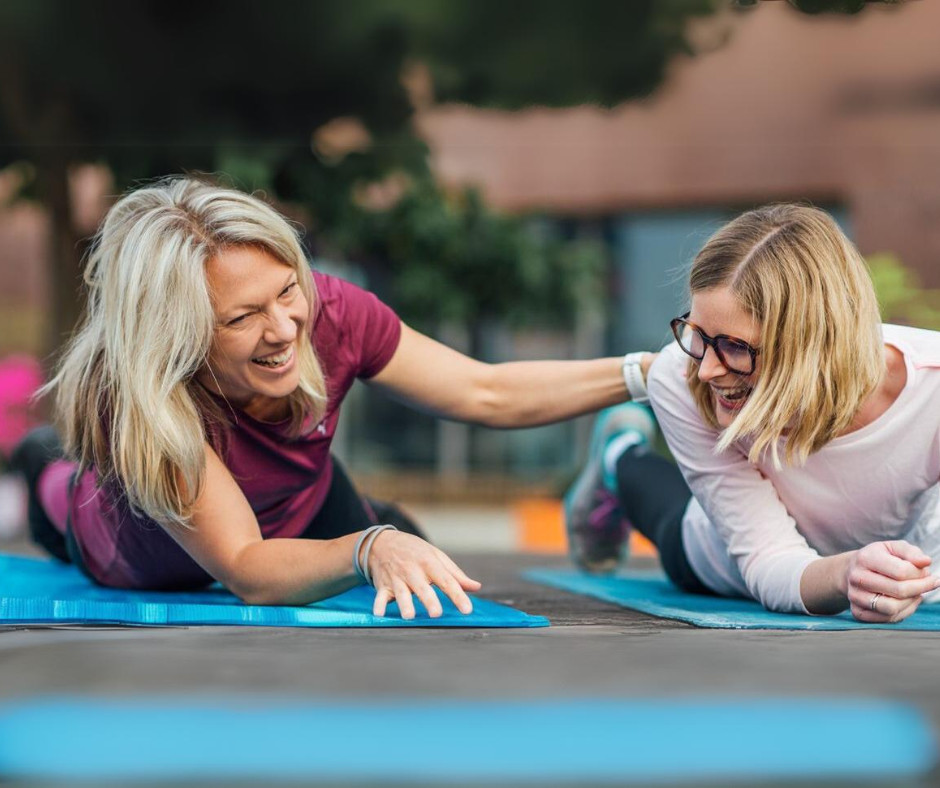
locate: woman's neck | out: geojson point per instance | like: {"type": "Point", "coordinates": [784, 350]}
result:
{"type": "Point", "coordinates": [269, 410]}
{"type": "Point", "coordinates": [888, 390]}
{"type": "Point", "coordinates": [259, 408]}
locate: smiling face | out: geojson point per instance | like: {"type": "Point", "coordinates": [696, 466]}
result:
{"type": "Point", "coordinates": [260, 314]}
{"type": "Point", "coordinates": [717, 311]}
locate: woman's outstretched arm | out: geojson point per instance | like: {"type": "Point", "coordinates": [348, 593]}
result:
{"type": "Point", "coordinates": [226, 541]}
{"type": "Point", "coordinates": [434, 378]}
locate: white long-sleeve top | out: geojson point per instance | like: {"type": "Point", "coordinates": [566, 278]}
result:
{"type": "Point", "coordinates": [751, 529]}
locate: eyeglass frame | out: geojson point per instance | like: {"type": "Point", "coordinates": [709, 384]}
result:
{"type": "Point", "coordinates": [712, 342]}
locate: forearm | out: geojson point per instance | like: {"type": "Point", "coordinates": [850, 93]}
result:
{"type": "Point", "coordinates": [432, 378]}
{"type": "Point", "coordinates": [824, 585]}
{"type": "Point", "coordinates": [531, 393]}
{"type": "Point", "coordinates": [293, 571]}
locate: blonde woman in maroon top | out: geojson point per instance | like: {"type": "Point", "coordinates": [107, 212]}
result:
{"type": "Point", "coordinates": [198, 400]}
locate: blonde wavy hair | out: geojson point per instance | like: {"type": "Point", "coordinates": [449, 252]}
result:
{"type": "Point", "coordinates": [822, 353]}
{"type": "Point", "coordinates": [126, 397]}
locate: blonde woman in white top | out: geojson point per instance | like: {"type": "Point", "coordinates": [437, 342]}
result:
{"type": "Point", "coordinates": [807, 434]}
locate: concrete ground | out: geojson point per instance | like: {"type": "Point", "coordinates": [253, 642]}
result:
{"type": "Point", "coordinates": [593, 649]}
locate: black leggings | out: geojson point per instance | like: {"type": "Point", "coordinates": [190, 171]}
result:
{"type": "Point", "coordinates": [653, 498]}
{"type": "Point", "coordinates": [345, 511]}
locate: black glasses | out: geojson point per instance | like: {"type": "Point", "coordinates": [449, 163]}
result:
{"type": "Point", "coordinates": [735, 354]}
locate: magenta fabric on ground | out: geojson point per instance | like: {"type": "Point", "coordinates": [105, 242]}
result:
{"type": "Point", "coordinates": [284, 480]}
{"type": "Point", "coordinates": [53, 492]}
{"type": "Point", "coordinates": [20, 378]}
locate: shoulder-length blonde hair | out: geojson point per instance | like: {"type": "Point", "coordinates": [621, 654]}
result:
{"type": "Point", "coordinates": [126, 396]}
{"type": "Point", "coordinates": [821, 347]}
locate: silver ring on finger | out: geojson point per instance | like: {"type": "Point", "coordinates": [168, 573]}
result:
{"type": "Point", "coordinates": [874, 603]}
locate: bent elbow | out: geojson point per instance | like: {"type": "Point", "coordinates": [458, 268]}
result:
{"type": "Point", "coordinates": [257, 598]}
{"type": "Point", "coordinates": [254, 594]}
{"type": "Point", "coordinates": [484, 402]}
{"type": "Point", "coordinates": [246, 578]}
{"type": "Point", "coordinates": [498, 411]}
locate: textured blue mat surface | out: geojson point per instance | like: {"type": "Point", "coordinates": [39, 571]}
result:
{"type": "Point", "coordinates": [48, 592]}
{"type": "Point", "coordinates": [407, 742]}
{"type": "Point", "coordinates": [653, 594]}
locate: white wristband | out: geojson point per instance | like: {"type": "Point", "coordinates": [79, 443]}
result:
{"type": "Point", "coordinates": [633, 377]}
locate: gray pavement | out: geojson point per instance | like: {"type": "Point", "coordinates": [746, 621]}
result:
{"type": "Point", "coordinates": [592, 650]}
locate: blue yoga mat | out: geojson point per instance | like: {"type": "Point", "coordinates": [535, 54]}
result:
{"type": "Point", "coordinates": [652, 593]}
{"type": "Point", "coordinates": [407, 742]}
{"type": "Point", "coordinates": [44, 592]}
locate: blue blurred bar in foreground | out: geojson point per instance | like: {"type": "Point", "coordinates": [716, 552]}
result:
{"type": "Point", "coordinates": [276, 740]}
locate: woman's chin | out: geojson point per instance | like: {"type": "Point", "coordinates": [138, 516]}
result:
{"type": "Point", "coordinates": [725, 416]}
{"type": "Point", "coordinates": [284, 388]}
{"type": "Point", "coordinates": [272, 390]}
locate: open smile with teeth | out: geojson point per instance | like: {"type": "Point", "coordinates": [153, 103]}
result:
{"type": "Point", "coordinates": [732, 398]}
{"type": "Point", "coordinates": [276, 360]}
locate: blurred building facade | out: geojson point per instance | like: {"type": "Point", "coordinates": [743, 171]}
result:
{"type": "Point", "coordinates": [844, 112]}
{"type": "Point", "coordinates": [841, 111]}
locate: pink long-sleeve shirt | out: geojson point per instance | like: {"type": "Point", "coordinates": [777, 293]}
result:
{"type": "Point", "coordinates": [752, 529]}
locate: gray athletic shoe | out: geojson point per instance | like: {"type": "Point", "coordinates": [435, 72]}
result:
{"type": "Point", "coordinates": [597, 533]}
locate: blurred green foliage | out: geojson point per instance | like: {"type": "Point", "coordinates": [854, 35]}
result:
{"type": "Point", "coordinates": [829, 6]}
{"type": "Point", "coordinates": [901, 294]}
{"type": "Point", "coordinates": [154, 87]}
{"type": "Point", "coordinates": [549, 52]}
{"type": "Point", "coordinates": [837, 6]}
{"type": "Point", "coordinates": [824, 6]}
{"type": "Point", "coordinates": [449, 258]}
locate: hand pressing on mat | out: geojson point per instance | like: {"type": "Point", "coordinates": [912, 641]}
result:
{"type": "Point", "coordinates": [402, 565]}
{"type": "Point", "coordinates": [886, 581]}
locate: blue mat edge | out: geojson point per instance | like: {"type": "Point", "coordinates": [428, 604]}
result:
{"type": "Point", "coordinates": [575, 582]}
{"type": "Point", "coordinates": [18, 610]}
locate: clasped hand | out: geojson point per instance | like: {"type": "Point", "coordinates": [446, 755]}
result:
{"type": "Point", "coordinates": [886, 581]}
{"type": "Point", "coordinates": [402, 565]}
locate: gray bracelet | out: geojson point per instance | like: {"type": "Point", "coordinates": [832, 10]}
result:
{"type": "Point", "coordinates": [370, 540]}
{"type": "Point", "coordinates": [357, 566]}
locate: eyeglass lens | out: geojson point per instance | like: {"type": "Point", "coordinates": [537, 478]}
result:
{"type": "Point", "coordinates": [734, 355]}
